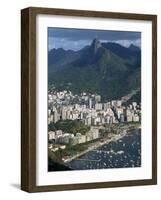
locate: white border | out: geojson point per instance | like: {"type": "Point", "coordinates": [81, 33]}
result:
{"type": "Point", "coordinates": [43, 177]}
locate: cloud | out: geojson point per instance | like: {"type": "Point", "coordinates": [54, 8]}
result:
{"type": "Point", "coordinates": [67, 44]}
{"type": "Point", "coordinates": [127, 43]}
{"type": "Point", "coordinates": [78, 38]}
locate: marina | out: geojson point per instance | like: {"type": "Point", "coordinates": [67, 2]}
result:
{"type": "Point", "coordinates": [119, 153]}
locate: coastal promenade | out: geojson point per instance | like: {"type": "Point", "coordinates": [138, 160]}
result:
{"type": "Point", "coordinates": [95, 145]}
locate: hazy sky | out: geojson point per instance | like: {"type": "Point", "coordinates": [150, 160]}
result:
{"type": "Point", "coordinates": [76, 39]}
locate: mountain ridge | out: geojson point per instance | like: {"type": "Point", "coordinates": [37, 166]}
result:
{"type": "Point", "coordinates": [108, 69]}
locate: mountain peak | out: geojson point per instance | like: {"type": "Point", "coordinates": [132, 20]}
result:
{"type": "Point", "coordinates": [133, 47]}
{"type": "Point", "coordinates": [96, 44]}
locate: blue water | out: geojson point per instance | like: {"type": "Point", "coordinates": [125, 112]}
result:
{"type": "Point", "coordinates": [122, 153]}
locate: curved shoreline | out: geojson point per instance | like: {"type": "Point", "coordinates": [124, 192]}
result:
{"type": "Point", "coordinates": [99, 144]}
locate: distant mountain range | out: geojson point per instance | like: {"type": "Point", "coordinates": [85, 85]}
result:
{"type": "Point", "coordinates": [108, 69]}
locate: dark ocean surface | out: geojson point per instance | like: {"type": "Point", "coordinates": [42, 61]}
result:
{"type": "Point", "coordinates": [125, 152]}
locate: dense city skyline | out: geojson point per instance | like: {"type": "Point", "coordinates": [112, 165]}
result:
{"type": "Point", "coordinates": [89, 113]}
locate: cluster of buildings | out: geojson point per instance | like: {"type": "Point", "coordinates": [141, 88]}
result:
{"type": "Point", "coordinates": [58, 139]}
{"type": "Point", "coordinates": [89, 109]}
